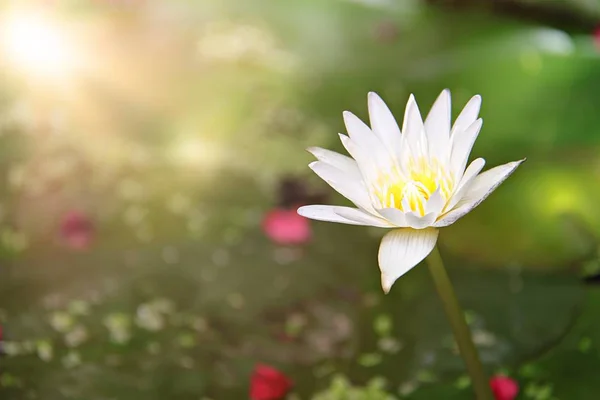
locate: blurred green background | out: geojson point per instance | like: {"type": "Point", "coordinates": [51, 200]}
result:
{"type": "Point", "coordinates": [171, 125]}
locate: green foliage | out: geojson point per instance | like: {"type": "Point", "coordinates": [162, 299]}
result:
{"type": "Point", "coordinates": [341, 389]}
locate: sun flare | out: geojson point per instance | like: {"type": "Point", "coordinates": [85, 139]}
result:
{"type": "Point", "coordinates": [36, 45]}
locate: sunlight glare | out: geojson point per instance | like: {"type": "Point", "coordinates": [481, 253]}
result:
{"type": "Point", "coordinates": [36, 45]}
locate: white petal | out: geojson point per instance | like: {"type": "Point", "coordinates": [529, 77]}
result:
{"type": "Point", "coordinates": [465, 183]}
{"type": "Point", "coordinates": [462, 144]}
{"type": "Point", "coordinates": [401, 250]}
{"type": "Point", "coordinates": [394, 215]}
{"type": "Point", "coordinates": [362, 135]}
{"type": "Point", "coordinates": [351, 216]}
{"type": "Point", "coordinates": [383, 123]}
{"type": "Point", "coordinates": [349, 187]}
{"type": "Point", "coordinates": [337, 160]}
{"type": "Point", "coordinates": [367, 166]}
{"type": "Point", "coordinates": [437, 126]}
{"type": "Point", "coordinates": [415, 221]}
{"type": "Point", "coordinates": [350, 147]}
{"type": "Point", "coordinates": [468, 115]}
{"type": "Point", "coordinates": [370, 168]}
{"type": "Point", "coordinates": [436, 203]}
{"type": "Point", "coordinates": [373, 149]}
{"type": "Point", "coordinates": [483, 185]}
{"type": "Point", "coordinates": [363, 218]}
{"type": "Point", "coordinates": [412, 117]}
{"type": "Point", "coordinates": [413, 130]}
{"type": "Point", "coordinates": [357, 129]}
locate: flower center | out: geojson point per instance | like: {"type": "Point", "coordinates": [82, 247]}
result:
{"type": "Point", "coordinates": [410, 189]}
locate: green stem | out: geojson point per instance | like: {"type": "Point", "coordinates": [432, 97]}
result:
{"type": "Point", "coordinates": [459, 326]}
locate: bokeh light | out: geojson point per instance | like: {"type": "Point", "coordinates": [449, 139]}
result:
{"type": "Point", "coordinates": [35, 44]}
{"type": "Point", "coordinates": [195, 152]}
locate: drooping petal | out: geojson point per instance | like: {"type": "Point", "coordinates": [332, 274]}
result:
{"type": "Point", "coordinates": [415, 221]}
{"type": "Point", "coordinates": [437, 126]}
{"type": "Point", "coordinates": [401, 250]}
{"type": "Point", "coordinates": [468, 115]}
{"type": "Point", "coordinates": [343, 215]}
{"type": "Point", "coordinates": [462, 144]}
{"type": "Point", "coordinates": [340, 161]}
{"type": "Point", "coordinates": [346, 185]}
{"type": "Point", "coordinates": [394, 215]}
{"type": "Point", "coordinates": [483, 185]}
{"type": "Point", "coordinates": [384, 124]}
{"type": "Point", "coordinates": [465, 183]}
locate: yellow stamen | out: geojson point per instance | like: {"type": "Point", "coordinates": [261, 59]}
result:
{"type": "Point", "coordinates": [409, 190]}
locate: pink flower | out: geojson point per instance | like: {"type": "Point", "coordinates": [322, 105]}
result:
{"type": "Point", "coordinates": [77, 230]}
{"type": "Point", "coordinates": [267, 383]}
{"type": "Point", "coordinates": [596, 35]}
{"type": "Point", "coordinates": [504, 388]}
{"type": "Point", "coordinates": [286, 227]}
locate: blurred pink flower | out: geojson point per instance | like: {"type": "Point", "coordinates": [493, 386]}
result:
{"type": "Point", "coordinates": [77, 230]}
{"type": "Point", "coordinates": [596, 35]}
{"type": "Point", "coordinates": [504, 388]}
{"type": "Point", "coordinates": [267, 383]}
{"type": "Point", "coordinates": [286, 227]}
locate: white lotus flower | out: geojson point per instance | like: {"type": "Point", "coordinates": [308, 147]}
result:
{"type": "Point", "coordinates": [412, 182]}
